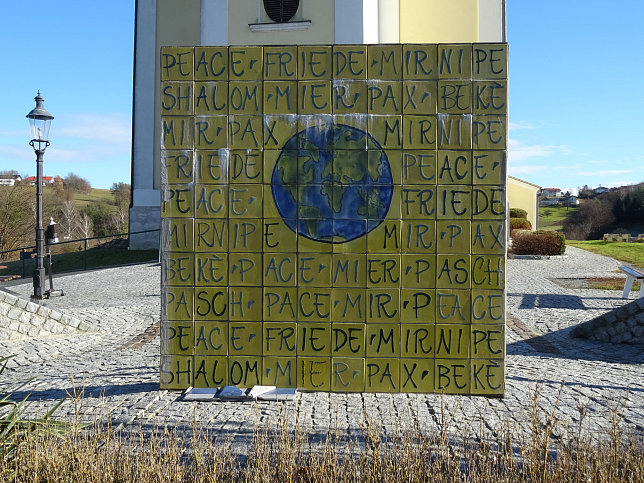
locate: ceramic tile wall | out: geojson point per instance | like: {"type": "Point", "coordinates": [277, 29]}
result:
{"type": "Point", "coordinates": [334, 217]}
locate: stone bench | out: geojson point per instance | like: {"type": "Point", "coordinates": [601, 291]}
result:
{"type": "Point", "coordinates": [632, 274]}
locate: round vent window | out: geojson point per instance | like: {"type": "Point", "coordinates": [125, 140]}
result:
{"type": "Point", "coordinates": [281, 11]}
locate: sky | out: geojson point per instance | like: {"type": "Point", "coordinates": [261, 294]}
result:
{"type": "Point", "coordinates": [575, 89]}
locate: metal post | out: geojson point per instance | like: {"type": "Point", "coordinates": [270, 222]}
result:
{"type": "Point", "coordinates": [39, 271]}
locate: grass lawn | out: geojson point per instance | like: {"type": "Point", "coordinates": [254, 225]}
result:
{"type": "Point", "coordinates": [83, 199]}
{"type": "Point", "coordinates": [632, 253]}
{"type": "Point", "coordinates": [552, 217]}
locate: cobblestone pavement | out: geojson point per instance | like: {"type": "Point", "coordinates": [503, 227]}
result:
{"type": "Point", "coordinates": [115, 368]}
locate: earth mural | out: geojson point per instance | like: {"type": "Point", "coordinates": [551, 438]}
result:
{"type": "Point", "coordinates": [332, 183]}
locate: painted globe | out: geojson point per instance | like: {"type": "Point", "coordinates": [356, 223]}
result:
{"type": "Point", "coordinates": [332, 183]}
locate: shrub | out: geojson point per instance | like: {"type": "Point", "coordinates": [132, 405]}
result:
{"type": "Point", "coordinates": [519, 224]}
{"type": "Point", "coordinates": [538, 243]}
{"type": "Point", "coordinates": [518, 213]}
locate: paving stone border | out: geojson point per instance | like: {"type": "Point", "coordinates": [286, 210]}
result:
{"type": "Point", "coordinates": [20, 319]}
{"type": "Point", "coordinates": [624, 325]}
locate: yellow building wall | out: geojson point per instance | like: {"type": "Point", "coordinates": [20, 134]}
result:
{"type": "Point", "coordinates": [439, 21]}
{"type": "Point", "coordinates": [524, 195]}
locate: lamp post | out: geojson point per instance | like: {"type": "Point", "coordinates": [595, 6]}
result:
{"type": "Point", "coordinates": [39, 122]}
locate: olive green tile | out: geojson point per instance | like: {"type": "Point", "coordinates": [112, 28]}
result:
{"type": "Point", "coordinates": [419, 132]}
{"type": "Point", "coordinates": [280, 62]}
{"type": "Point", "coordinates": [280, 97]}
{"type": "Point", "coordinates": [455, 61]}
{"type": "Point", "coordinates": [453, 236]}
{"type": "Point", "coordinates": [383, 270]}
{"type": "Point", "coordinates": [418, 271]}
{"type": "Point", "coordinates": [387, 130]}
{"type": "Point", "coordinates": [357, 245]}
{"type": "Point", "coordinates": [419, 236]}
{"type": "Point", "coordinates": [322, 122]}
{"type": "Point", "coordinates": [453, 271]}
{"type": "Point", "coordinates": [178, 269]}
{"type": "Point", "coordinates": [349, 270]}
{"type": "Point", "coordinates": [211, 303]}
{"type": "Point", "coordinates": [454, 167]}
{"type": "Point", "coordinates": [488, 376]}
{"type": "Point", "coordinates": [177, 63]}
{"type": "Point", "coordinates": [211, 166]}
{"type": "Point", "coordinates": [417, 375]}
{"type": "Point", "coordinates": [383, 202]}
{"type": "Point", "coordinates": [211, 338]}
{"type": "Point", "coordinates": [420, 61]}
{"type": "Point", "coordinates": [177, 303]}
{"type": "Point", "coordinates": [489, 167]}
{"type": "Point", "coordinates": [382, 375]}
{"type": "Point", "coordinates": [314, 304]}
{"type": "Point", "coordinates": [348, 305]}
{"type": "Point", "coordinates": [417, 306]}
{"type": "Point", "coordinates": [314, 270]}
{"type": "Point", "coordinates": [488, 272]}
{"type": "Point", "coordinates": [211, 63]}
{"type": "Point", "coordinates": [280, 304]}
{"type": "Point", "coordinates": [177, 235]}
{"type": "Point", "coordinates": [394, 158]}
{"type": "Point", "coordinates": [348, 340]}
{"type": "Point", "coordinates": [418, 202]}
{"type": "Point", "coordinates": [453, 306]}
{"type": "Point", "coordinates": [307, 245]}
{"type": "Point", "coordinates": [245, 269]}
{"type": "Point", "coordinates": [245, 303]}
{"type": "Point", "coordinates": [270, 157]}
{"type": "Point", "coordinates": [175, 372]}
{"type": "Point", "coordinates": [245, 339]}
{"type": "Point", "coordinates": [347, 374]}
{"type": "Point", "coordinates": [487, 341]}
{"type": "Point", "coordinates": [488, 306]}
{"type": "Point", "coordinates": [384, 97]}
{"type": "Point", "coordinates": [454, 97]}
{"type": "Point", "coordinates": [314, 373]}
{"type": "Point", "coordinates": [488, 203]}
{"type": "Point", "coordinates": [314, 97]}
{"type": "Point", "coordinates": [177, 167]}
{"type": "Point", "coordinates": [313, 339]}
{"type": "Point", "coordinates": [211, 98]}
{"type": "Point", "coordinates": [280, 269]}
{"type": "Point", "coordinates": [244, 371]}
{"type": "Point", "coordinates": [452, 376]}
{"type": "Point", "coordinates": [245, 132]}
{"type": "Point", "coordinates": [349, 96]}
{"type": "Point", "coordinates": [176, 338]}
{"type": "Point", "coordinates": [211, 201]}
{"type": "Point", "coordinates": [279, 371]}
{"type": "Point", "coordinates": [454, 131]}
{"type": "Point", "coordinates": [245, 97]}
{"type": "Point", "coordinates": [245, 201]}
{"type": "Point", "coordinates": [383, 305]}
{"type": "Point", "coordinates": [488, 237]}
{"type": "Point", "coordinates": [417, 341]}
{"type": "Point", "coordinates": [489, 132]}
{"type": "Point", "coordinates": [211, 235]}
{"type": "Point", "coordinates": [277, 237]}
{"type": "Point", "coordinates": [490, 61]}
{"type": "Point", "coordinates": [177, 98]}
{"type": "Point", "coordinates": [314, 62]}
{"type": "Point", "coordinates": [245, 63]}
{"type": "Point", "coordinates": [177, 132]}
{"type": "Point", "coordinates": [490, 97]}
{"type": "Point", "coordinates": [358, 121]}
{"type": "Point", "coordinates": [211, 132]}
{"type": "Point", "coordinates": [452, 341]}
{"type": "Point", "coordinates": [385, 238]}
{"type": "Point", "coordinates": [419, 166]}
{"type": "Point", "coordinates": [384, 61]}
{"type": "Point", "coordinates": [178, 202]}
{"type": "Point", "coordinates": [277, 132]}
{"type": "Point", "coordinates": [419, 97]}
{"type": "Point", "coordinates": [349, 61]}
{"type": "Point", "coordinates": [280, 339]}
{"type": "Point", "coordinates": [210, 372]}
{"type": "Point", "coordinates": [245, 166]}
{"type": "Point", "coordinates": [454, 202]}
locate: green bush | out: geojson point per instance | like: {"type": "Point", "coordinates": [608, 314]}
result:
{"type": "Point", "coordinates": [538, 243]}
{"type": "Point", "coordinates": [518, 213]}
{"type": "Point", "coordinates": [519, 224]}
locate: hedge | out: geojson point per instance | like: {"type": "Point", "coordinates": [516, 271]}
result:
{"type": "Point", "coordinates": [539, 242]}
{"type": "Point", "coordinates": [518, 213]}
{"type": "Point", "coordinates": [519, 224]}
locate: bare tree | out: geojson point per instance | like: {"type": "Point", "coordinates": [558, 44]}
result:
{"type": "Point", "coordinates": [119, 219]}
{"type": "Point", "coordinates": [70, 219]}
{"type": "Point", "coordinates": [85, 225]}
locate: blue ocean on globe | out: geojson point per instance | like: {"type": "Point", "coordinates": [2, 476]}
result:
{"type": "Point", "coordinates": [332, 183]}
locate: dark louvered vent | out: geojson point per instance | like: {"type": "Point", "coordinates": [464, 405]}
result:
{"type": "Point", "coordinates": [281, 11]}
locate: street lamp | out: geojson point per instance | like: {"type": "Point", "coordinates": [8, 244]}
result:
{"type": "Point", "coordinates": [39, 122]}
